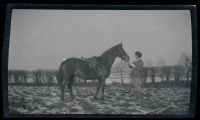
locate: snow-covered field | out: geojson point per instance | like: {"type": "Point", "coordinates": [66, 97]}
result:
{"type": "Point", "coordinates": [46, 100]}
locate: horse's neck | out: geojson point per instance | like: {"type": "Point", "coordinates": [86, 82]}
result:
{"type": "Point", "coordinates": [109, 58]}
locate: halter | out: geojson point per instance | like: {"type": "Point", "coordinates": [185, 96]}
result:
{"type": "Point", "coordinates": [122, 54]}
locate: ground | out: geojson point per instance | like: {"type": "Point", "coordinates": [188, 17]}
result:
{"type": "Point", "coordinates": [46, 100]}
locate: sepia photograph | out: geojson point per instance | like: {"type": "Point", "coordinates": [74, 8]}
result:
{"type": "Point", "coordinates": [96, 61]}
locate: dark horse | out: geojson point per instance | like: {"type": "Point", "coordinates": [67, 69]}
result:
{"type": "Point", "coordinates": [72, 67]}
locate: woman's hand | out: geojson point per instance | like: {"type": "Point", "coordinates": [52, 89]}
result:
{"type": "Point", "coordinates": [129, 65]}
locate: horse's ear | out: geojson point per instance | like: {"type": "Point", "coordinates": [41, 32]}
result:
{"type": "Point", "coordinates": [121, 44]}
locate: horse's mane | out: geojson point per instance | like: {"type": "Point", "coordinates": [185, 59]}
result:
{"type": "Point", "coordinates": [109, 50]}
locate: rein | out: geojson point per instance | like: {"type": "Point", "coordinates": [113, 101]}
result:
{"type": "Point", "coordinates": [118, 67]}
{"type": "Point", "coordinates": [122, 54]}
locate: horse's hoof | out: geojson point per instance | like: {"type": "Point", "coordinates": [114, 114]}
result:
{"type": "Point", "coordinates": [72, 98]}
{"type": "Point", "coordinates": [95, 98]}
{"type": "Point", "coordinates": [102, 98]}
{"type": "Point", "coordinates": [77, 99]}
{"type": "Point", "coordinates": [62, 98]}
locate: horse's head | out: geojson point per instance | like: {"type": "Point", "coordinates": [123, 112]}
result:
{"type": "Point", "coordinates": [120, 52]}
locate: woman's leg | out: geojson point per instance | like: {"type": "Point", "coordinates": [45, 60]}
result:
{"type": "Point", "coordinates": [131, 86]}
{"type": "Point", "coordinates": [140, 85]}
{"type": "Point", "coordinates": [135, 83]}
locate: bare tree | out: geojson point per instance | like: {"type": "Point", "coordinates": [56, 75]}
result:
{"type": "Point", "coordinates": [178, 72]}
{"type": "Point", "coordinates": [37, 75]}
{"type": "Point", "coordinates": [188, 67]}
{"type": "Point", "coordinates": [10, 76]}
{"type": "Point", "coordinates": [23, 76]}
{"type": "Point", "coordinates": [147, 70]}
{"type": "Point", "coordinates": [167, 70]}
{"type": "Point", "coordinates": [152, 74]}
{"type": "Point", "coordinates": [49, 77]}
{"type": "Point", "coordinates": [161, 70]}
{"type": "Point", "coordinates": [145, 74]}
{"type": "Point", "coordinates": [186, 62]}
{"type": "Point", "coordinates": [16, 76]}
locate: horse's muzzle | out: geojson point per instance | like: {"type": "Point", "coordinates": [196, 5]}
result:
{"type": "Point", "coordinates": [126, 59]}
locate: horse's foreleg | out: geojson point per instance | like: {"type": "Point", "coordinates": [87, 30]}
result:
{"type": "Point", "coordinates": [102, 88]}
{"type": "Point", "coordinates": [70, 87]}
{"type": "Point", "coordinates": [97, 91]}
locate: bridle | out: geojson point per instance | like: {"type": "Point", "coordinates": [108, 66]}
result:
{"type": "Point", "coordinates": [121, 54]}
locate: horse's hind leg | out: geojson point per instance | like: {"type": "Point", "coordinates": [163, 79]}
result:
{"type": "Point", "coordinates": [97, 91]}
{"type": "Point", "coordinates": [62, 87]}
{"type": "Point", "coordinates": [102, 88]}
{"type": "Point", "coordinates": [62, 92]}
{"type": "Point", "coordinates": [71, 81]}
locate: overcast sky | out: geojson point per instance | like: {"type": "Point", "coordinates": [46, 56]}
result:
{"type": "Point", "coordinates": [42, 38]}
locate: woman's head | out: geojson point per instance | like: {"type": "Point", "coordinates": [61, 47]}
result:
{"type": "Point", "coordinates": [138, 54]}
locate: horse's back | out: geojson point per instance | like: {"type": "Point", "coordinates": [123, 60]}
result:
{"type": "Point", "coordinates": [82, 69]}
{"type": "Point", "coordinates": [70, 60]}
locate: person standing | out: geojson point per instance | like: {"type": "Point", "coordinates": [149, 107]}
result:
{"type": "Point", "coordinates": [137, 73]}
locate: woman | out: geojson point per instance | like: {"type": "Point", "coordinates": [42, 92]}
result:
{"type": "Point", "coordinates": [137, 72]}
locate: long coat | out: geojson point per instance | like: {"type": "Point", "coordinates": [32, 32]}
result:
{"type": "Point", "coordinates": [138, 69]}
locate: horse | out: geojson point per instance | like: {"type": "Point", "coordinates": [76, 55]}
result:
{"type": "Point", "coordinates": [75, 67]}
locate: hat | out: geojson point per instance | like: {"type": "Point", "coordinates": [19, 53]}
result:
{"type": "Point", "coordinates": [138, 54]}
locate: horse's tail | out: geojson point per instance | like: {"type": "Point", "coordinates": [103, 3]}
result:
{"type": "Point", "coordinates": [59, 77]}
{"type": "Point", "coordinates": [70, 71]}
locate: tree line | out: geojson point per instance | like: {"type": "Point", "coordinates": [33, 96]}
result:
{"type": "Point", "coordinates": [164, 73]}
{"type": "Point", "coordinates": [168, 73]}
{"type": "Point", "coordinates": [38, 77]}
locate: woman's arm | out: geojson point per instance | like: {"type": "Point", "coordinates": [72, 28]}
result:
{"type": "Point", "coordinates": [131, 65]}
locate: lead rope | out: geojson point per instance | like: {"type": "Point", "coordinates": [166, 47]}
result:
{"type": "Point", "coordinates": [123, 65]}
{"type": "Point", "coordinates": [118, 67]}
